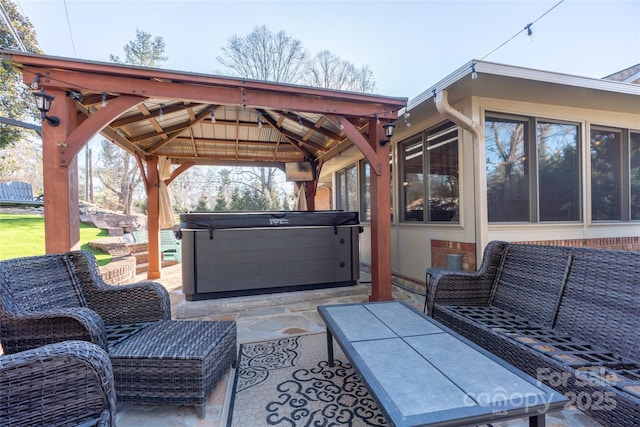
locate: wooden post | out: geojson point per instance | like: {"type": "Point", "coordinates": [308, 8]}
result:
{"type": "Point", "coordinates": [310, 188]}
{"type": "Point", "coordinates": [60, 173]}
{"type": "Point", "coordinates": [153, 217]}
{"type": "Point", "coordinates": [380, 219]}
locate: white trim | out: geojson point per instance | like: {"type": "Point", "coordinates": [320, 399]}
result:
{"type": "Point", "coordinates": [483, 67]}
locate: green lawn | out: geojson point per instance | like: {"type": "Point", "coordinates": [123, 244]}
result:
{"type": "Point", "coordinates": [23, 235]}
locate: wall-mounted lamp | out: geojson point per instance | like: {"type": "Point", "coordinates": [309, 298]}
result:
{"type": "Point", "coordinates": [388, 132]}
{"type": "Point", "coordinates": [43, 102]}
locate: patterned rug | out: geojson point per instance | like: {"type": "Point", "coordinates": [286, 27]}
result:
{"type": "Point", "coordinates": [288, 382]}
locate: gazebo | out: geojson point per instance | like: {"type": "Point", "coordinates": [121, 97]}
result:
{"type": "Point", "coordinates": [186, 119]}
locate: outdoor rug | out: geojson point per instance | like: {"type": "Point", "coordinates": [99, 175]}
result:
{"type": "Point", "coordinates": [288, 382]}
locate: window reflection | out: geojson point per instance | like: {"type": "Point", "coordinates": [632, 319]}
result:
{"type": "Point", "coordinates": [507, 170]}
{"type": "Point", "coordinates": [442, 180]}
{"type": "Point", "coordinates": [413, 179]}
{"type": "Point", "coordinates": [635, 176]}
{"type": "Point", "coordinates": [430, 172]}
{"type": "Point", "coordinates": [558, 172]}
{"type": "Point", "coordinates": [606, 175]}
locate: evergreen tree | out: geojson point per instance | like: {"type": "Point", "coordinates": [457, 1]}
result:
{"type": "Point", "coordinates": [203, 204]}
{"type": "Point", "coordinates": [221, 200]}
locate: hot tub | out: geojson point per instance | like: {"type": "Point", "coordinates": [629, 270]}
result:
{"type": "Point", "coordinates": [245, 253]}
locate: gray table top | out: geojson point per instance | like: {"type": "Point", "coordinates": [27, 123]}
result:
{"type": "Point", "coordinates": [424, 374]}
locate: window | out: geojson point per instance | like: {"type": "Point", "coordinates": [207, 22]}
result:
{"type": "Point", "coordinates": [606, 175]}
{"type": "Point", "coordinates": [442, 177]}
{"type": "Point", "coordinates": [365, 191]}
{"type": "Point", "coordinates": [533, 169]}
{"type": "Point", "coordinates": [558, 171]}
{"type": "Point", "coordinates": [411, 155]}
{"type": "Point", "coordinates": [429, 171]}
{"type": "Point", "coordinates": [346, 185]}
{"type": "Point", "coordinates": [635, 176]}
{"type": "Point", "coordinates": [615, 174]}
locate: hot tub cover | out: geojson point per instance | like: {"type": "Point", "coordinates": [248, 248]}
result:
{"type": "Point", "coordinates": [215, 220]}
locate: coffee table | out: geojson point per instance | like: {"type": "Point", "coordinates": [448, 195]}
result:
{"type": "Point", "coordinates": [423, 374]}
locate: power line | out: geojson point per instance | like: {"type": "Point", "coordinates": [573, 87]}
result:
{"type": "Point", "coordinates": [73, 45]}
{"type": "Point", "coordinates": [7, 19]}
{"type": "Point", "coordinates": [526, 28]}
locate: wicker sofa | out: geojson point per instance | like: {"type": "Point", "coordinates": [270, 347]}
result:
{"type": "Point", "coordinates": [68, 383]}
{"type": "Point", "coordinates": [568, 316]}
{"type": "Point", "coordinates": [156, 360]}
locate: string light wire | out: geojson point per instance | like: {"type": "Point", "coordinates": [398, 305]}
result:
{"type": "Point", "coordinates": [527, 28]}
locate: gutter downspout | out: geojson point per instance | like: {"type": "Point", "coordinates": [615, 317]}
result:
{"type": "Point", "coordinates": [480, 178]}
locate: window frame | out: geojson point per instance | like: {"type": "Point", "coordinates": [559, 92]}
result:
{"type": "Point", "coordinates": [343, 176]}
{"type": "Point", "coordinates": [532, 164]}
{"type": "Point", "coordinates": [423, 138]}
{"type": "Point", "coordinates": [625, 174]}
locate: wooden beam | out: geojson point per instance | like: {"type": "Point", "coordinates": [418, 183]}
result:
{"type": "Point", "coordinates": [272, 96]}
{"type": "Point", "coordinates": [176, 133]}
{"type": "Point", "coordinates": [142, 117]}
{"type": "Point", "coordinates": [92, 125]}
{"type": "Point", "coordinates": [121, 141]}
{"type": "Point", "coordinates": [143, 173]}
{"type": "Point", "coordinates": [358, 140]}
{"type": "Point", "coordinates": [61, 201]}
{"type": "Point", "coordinates": [316, 127]}
{"type": "Point", "coordinates": [153, 217]}
{"type": "Point", "coordinates": [177, 171]}
{"type": "Point", "coordinates": [33, 63]}
{"type": "Point", "coordinates": [380, 219]}
{"type": "Point", "coordinates": [291, 137]}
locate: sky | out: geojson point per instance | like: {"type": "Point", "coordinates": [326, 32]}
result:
{"type": "Point", "coordinates": [409, 45]}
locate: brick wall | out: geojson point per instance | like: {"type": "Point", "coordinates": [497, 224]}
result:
{"type": "Point", "coordinates": [323, 197]}
{"type": "Point", "coordinates": [119, 271]}
{"type": "Point", "coordinates": [441, 248]}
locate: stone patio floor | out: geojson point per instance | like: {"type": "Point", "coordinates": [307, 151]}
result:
{"type": "Point", "coordinates": [267, 317]}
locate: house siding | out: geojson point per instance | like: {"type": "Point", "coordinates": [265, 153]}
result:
{"type": "Point", "coordinates": [417, 246]}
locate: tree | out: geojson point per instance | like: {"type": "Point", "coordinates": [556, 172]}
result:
{"type": "Point", "coordinates": [145, 51]}
{"type": "Point", "coordinates": [22, 161]}
{"type": "Point", "coordinates": [119, 172]}
{"type": "Point", "coordinates": [221, 201]}
{"type": "Point", "coordinates": [265, 55]}
{"type": "Point", "coordinates": [16, 102]}
{"type": "Point", "coordinates": [203, 204]}
{"type": "Point", "coordinates": [328, 71]}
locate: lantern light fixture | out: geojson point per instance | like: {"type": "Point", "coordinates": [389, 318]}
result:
{"type": "Point", "coordinates": [43, 102]}
{"type": "Point", "coordinates": [388, 132]}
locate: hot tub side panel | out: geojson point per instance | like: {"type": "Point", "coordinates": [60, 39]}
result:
{"type": "Point", "coordinates": [248, 260]}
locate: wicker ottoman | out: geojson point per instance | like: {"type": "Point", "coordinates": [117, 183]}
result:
{"type": "Point", "coordinates": [173, 362]}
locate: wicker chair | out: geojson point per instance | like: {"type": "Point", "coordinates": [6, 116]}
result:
{"type": "Point", "coordinates": [68, 383]}
{"type": "Point", "coordinates": [59, 297]}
